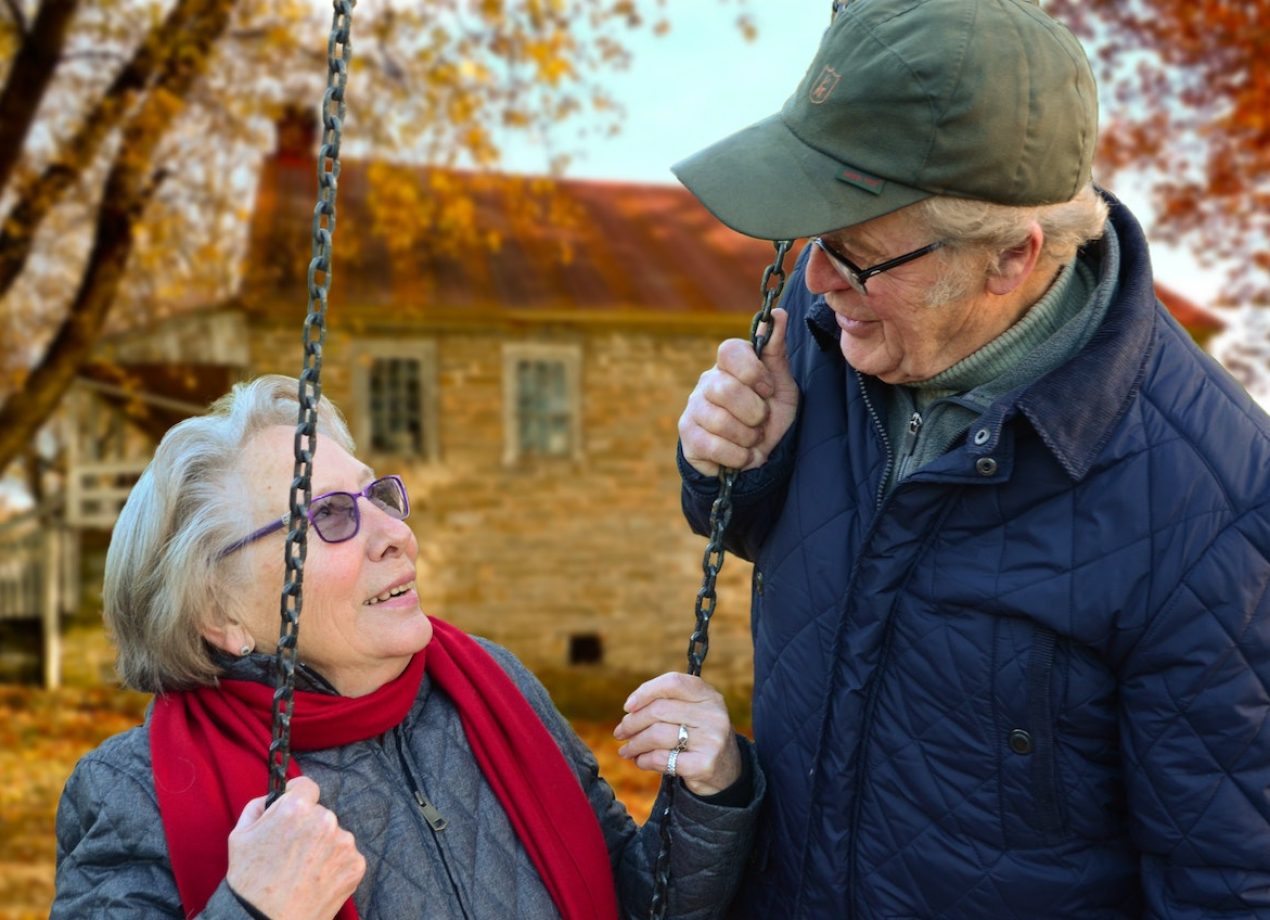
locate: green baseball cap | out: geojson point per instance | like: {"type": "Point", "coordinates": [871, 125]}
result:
{"type": "Point", "coordinates": [984, 99]}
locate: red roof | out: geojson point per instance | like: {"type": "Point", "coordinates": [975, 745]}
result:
{"type": "Point", "coordinates": [1197, 320]}
{"type": "Point", "coordinates": [620, 247]}
{"type": "Point", "coordinates": [621, 250]}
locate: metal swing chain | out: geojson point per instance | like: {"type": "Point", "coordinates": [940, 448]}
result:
{"type": "Point", "coordinates": [720, 515]}
{"type": "Point", "coordinates": [338, 53]}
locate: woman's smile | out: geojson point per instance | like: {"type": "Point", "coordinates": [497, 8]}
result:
{"type": "Point", "coordinates": [402, 594]}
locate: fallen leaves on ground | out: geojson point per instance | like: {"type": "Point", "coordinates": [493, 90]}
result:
{"type": "Point", "coordinates": [43, 734]}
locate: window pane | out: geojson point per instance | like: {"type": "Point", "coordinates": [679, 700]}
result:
{"type": "Point", "coordinates": [396, 406]}
{"type": "Point", "coordinates": [542, 408]}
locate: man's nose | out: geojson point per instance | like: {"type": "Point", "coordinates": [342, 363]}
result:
{"type": "Point", "coordinates": [820, 276]}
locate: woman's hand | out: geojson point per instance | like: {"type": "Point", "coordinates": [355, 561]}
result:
{"type": "Point", "coordinates": [293, 860]}
{"type": "Point", "coordinates": [710, 761]}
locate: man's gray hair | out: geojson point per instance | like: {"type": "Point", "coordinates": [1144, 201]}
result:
{"type": "Point", "coordinates": [976, 233]}
{"type": "Point", "coordinates": [164, 577]}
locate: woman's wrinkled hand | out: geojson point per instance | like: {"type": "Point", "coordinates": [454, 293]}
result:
{"type": "Point", "coordinates": [710, 760]}
{"type": "Point", "coordinates": [293, 861]}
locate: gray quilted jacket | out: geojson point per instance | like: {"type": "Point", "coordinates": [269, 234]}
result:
{"type": "Point", "coordinates": [112, 858]}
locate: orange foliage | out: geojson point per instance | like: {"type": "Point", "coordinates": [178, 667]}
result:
{"type": "Point", "coordinates": [438, 82]}
{"type": "Point", "coordinates": [1189, 89]}
{"type": "Point", "coordinates": [42, 735]}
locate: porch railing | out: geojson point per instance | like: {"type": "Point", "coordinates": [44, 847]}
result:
{"type": "Point", "coordinates": [40, 578]}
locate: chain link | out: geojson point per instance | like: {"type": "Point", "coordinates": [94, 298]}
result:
{"type": "Point", "coordinates": [720, 515]}
{"type": "Point", "coordinates": [338, 51]}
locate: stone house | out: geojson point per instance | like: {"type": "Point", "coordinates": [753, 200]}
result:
{"type": "Point", "coordinates": [528, 395]}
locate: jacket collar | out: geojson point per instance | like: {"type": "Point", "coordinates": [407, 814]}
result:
{"type": "Point", "coordinates": [259, 667]}
{"type": "Point", "coordinates": [1075, 407]}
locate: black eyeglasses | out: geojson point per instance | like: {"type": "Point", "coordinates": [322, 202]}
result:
{"type": "Point", "coordinates": [334, 515]}
{"type": "Point", "coordinates": [856, 276]}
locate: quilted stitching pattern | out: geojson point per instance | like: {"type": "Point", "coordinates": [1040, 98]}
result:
{"type": "Point", "coordinates": [1126, 579]}
{"type": "Point", "coordinates": [112, 856]}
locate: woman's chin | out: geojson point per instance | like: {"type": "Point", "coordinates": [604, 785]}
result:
{"type": "Point", "coordinates": [425, 631]}
{"type": "Point", "coordinates": [410, 632]}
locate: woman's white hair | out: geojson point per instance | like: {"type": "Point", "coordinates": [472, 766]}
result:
{"type": "Point", "coordinates": [977, 233]}
{"type": "Point", "coordinates": [164, 576]}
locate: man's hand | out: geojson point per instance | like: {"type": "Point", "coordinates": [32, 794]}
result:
{"type": "Point", "coordinates": [742, 406]}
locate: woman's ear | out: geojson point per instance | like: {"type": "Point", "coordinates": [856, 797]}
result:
{"type": "Point", "coordinates": [229, 636]}
{"type": "Point", "coordinates": [1016, 264]}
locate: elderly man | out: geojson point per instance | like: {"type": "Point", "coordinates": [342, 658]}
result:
{"type": "Point", "coordinates": [1009, 526]}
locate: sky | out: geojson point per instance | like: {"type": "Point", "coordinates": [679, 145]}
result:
{"type": "Point", "coordinates": [702, 81]}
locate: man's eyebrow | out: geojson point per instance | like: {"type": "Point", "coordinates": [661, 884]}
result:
{"type": "Point", "coordinates": [843, 239]}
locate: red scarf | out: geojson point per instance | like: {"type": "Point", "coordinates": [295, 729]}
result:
{"type": "Point", "coordinates": [210, 746]}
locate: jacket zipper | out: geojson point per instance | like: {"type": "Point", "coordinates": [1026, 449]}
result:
{"type": "Point", "coordinates": [886, 441]}
{"type": "Point", "coordinates": [870, 706]}
{"type": "Point", "coordinates": [904, 463]}
{"type": "Point", "coordinates": [837, 642]}
{"type": "Point", "coordinates": [432, 815]}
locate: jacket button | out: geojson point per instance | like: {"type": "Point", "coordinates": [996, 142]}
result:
{"type": "Point", "coordinates": [986, 466]}
{"type": "Point", "coordinates": [1020, 741]}
{"type": "Point", "coordinates": [758, 582]}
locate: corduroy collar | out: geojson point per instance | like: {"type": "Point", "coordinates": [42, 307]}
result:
{"type": "Point", "coordinates": [1075, 407]}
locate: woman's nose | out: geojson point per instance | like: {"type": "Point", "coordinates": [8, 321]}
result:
{"type": "Point", "coordinates": [388, 534]}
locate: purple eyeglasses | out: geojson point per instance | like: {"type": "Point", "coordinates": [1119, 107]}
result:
{"type": "Point", "coordinates": [334, 515]}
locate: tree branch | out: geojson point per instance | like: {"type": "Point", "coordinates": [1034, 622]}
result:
{"type": "Point", "coordinates": [165, 40]}
{"type": "Point", "coordinates": [19, 20]}
{"type": "Point", "coordinates": [93, 55]}
{"type": "Point", "coordinates": [127, 191]}
{"type": "Point", "coordinates": [33, 67]}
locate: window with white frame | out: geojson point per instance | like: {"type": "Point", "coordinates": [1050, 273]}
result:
{"type": "Point", "coordinates": [394, 391]}
{"type": "Point", "coordinates": [542, 411]}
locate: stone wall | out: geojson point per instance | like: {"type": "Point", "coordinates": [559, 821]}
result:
{"type": "Point", "coordinates": [536, 552]}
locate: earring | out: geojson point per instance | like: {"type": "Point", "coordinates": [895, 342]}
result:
{"type": "Point", "coordinates": [246, 650]}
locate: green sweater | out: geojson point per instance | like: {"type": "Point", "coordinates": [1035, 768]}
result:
{"type": "Point", "coordinates": [926, 418]}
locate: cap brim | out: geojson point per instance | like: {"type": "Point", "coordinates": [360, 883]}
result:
{"type": "Point", "coordinates": [764, 182]}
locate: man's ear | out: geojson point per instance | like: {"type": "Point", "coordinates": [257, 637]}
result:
{"type": "Point", "coordinates": [1016, 264]}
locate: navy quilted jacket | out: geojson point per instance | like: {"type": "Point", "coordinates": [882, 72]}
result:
{"type": "Point", "coordinates": [1031, 681]}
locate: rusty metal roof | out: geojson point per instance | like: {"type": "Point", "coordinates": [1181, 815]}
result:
{"type": "Point", "coordinates": [566, 250]}
{"type": "Point", "coordinates": [1198, 321]}
{"type": "Point", "coordinates": [603, 247]}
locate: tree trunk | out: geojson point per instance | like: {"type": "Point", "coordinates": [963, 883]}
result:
{"type": "Point", "coordinates": [32, 69]}
{"type": "Point", "coordinates": [128, 189]}
{"type": "Point", "coordinates": [39, 196]}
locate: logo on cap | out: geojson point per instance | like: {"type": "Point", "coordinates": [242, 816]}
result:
{"type": "Point", "coordinates": [859, 179]}
{"type": "Point", "coordinates": [825, 84]}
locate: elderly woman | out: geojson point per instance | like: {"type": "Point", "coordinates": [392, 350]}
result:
{"type": "Point", "coordinates": [433, 776]}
